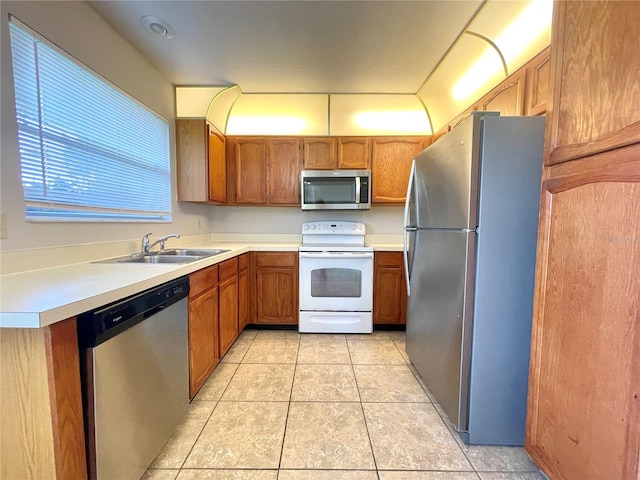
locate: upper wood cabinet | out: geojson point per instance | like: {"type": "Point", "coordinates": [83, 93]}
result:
{"type": "Point", "coordinates": [328, 153]}
{"type": "Point", "coordinates": [320, 153]}
{"type": "Point", "coordinates": [283, 171]}
{"type": "Point", "coordinates": [596, 99]}
{"type": "Point", "coordinates": [537, 74]}
{"type": "Point", "coordinates": [391, 159]}
{"type": "Point", "coordinates": [265, 170]}
{"type": "Point", "coordinates": [507, 98]}
{"type": "Point", "coordinates": [354, 153]}
{"type": "Point", "coordinates": [250, 170]}
{"type": "Point", "coordinates": [201, 160]}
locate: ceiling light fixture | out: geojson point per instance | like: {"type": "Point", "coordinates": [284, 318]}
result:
{"type": "Point", "coordinates": [158, 27]}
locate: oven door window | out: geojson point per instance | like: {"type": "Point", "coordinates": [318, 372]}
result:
{"type": "Point", "coordinates": [336, 282]}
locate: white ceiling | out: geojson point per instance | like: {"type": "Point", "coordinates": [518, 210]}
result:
{"type": "Point", "coordinates": [296, 46]}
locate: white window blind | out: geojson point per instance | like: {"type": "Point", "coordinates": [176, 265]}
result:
{"type": "Point", "coordinates": [88, 151]}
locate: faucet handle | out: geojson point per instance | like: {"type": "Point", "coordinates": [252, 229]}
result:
{"type": "Point", "coordinates": [144, 247]}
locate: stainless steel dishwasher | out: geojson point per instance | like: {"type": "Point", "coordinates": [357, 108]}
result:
{"type": "Point", "coordinates": [135, 378]}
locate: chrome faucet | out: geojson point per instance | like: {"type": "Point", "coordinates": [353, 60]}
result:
{"type": "Point", "coordinates": [145, 246]}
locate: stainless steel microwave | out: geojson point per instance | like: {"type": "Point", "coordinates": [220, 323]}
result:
{"type": "Point", "coordinates": [335, 189]}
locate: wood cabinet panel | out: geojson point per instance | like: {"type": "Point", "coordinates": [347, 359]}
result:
{"type": "Point", "coordinates": [227, 268]}
{"type": "Point", "coordinates": [250, 170]}
{"type": "Point", "coordinates": [584, 398]}
{"type": "Point", "coordinates": [203, 280]}
{"type": "Point", "coordinates": [228, 294]}
{"type": "Point", "coordinates": [243, 299]}
{"type": "Point", "coordinates": [42, 429]}
{"type": "Point", "coordinates": [201, 162]}
{"type": "Point", "coordinates": [595, 97]}
{"type": "Point", "coordinates": [538, 73]}
{"type": "Point", "coordinates": [276, 288]}
{"type": "Point", "coordinates": [283, 166]}
{"type": "Point", "coordinates": [389, 290]}
{"type": "Point", "coordinates": [354, 153]}
{"type": "Point", "coordinates": [391, 159]}
{"type": "Point", "coordinates": [203, 338]}
{"type": "Point", "coordinates": [276, 259]}
{"type": "Point", "coordinates": [507, 98]}
{"type": "Point", "coordinates": [217, 165]}
{"type": "Point", "coordinates": [320, 153]}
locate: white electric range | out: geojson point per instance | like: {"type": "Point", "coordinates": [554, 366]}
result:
{"type": "Point", "coordinates": [336, 278]}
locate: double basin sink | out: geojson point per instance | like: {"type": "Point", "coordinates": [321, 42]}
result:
{"type": "Point", "coordinates": [167, 256]}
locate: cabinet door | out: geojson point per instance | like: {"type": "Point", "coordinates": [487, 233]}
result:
{"type": "Point", "coordinates": [228, 292]}
{"type": "Point", "coordinates": [217, 163]}
{"type": "Point", "coordinates": [389, 290]}
{"type": "Point", "coordinates": [584, 406]}
{"type": "Point", "coordinates": [507, 98]}
{"type": "Point", "coordinates": [320, 153]}
{"type": "Point", "coordinates": [538, 72]}
{"type": "Point", "coordinates": [390, 167]}
{"type": "Point", "coordinates": [276, 287]}
{"type": "Point", "coordinates": [354, 153]}
{"type": "Point", "coordinates": [203, 338]}
{"type": "Point", "coordinates": [251, 170]}
{"type": "Point", "coordinates": [284, 165]}
{"type": "Point", "coordinates": [243, 299]}
{"type": "Point", "coordinates": [191, 153]}
{"type": "Point", "coordinates": [595, 99]}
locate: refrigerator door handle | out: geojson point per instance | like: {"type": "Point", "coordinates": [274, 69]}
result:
{"type": "Point", "coordinates": [407, 228]}
{"type": "Point", "coordinates": [405, 254]}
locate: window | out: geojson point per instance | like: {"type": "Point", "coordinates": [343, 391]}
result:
{"type": "Point", "coordinates": [88, 151]}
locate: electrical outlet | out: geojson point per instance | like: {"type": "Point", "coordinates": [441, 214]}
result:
{"type": "Point", "coordinates": [3, 225]}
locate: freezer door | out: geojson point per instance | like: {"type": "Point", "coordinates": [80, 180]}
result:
{"type": "Point", "coordinates": [439, 316]}
{"type": "Point", "coordinates": [446, 179]}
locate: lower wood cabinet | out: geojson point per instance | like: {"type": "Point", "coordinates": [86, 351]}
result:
{"type": "Point", "coordinates": [228, 312]}
{"type": "Point", "coordinates": [41, 426]}
{"type": "Point", "coordinates": [276, 287]}
{"type": "Point", "coordinates": [389, 289]}
{"type": "Point", "coordinates": [243, 291]}
{"type": "Point", "coordinates": [203, 326]}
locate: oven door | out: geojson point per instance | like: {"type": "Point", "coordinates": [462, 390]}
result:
{"type": "Point", "coordinates": [336, 281]}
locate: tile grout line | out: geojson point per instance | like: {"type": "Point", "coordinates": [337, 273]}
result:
{"type": "Point", "coordinates": [286, 420]}
{"type": "Point", "coordinates": [364, 418]}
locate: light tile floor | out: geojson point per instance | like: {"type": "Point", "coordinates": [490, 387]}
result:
{"type": "Point", "coordinates": [286, 406]}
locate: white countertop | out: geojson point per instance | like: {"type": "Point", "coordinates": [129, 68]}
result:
{"type": "Point", "coordinates": [38, 298]}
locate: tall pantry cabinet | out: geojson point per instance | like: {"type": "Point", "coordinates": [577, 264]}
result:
{"type": "Point", "coordinates": [584, 393]}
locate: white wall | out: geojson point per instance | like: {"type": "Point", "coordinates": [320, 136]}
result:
{"type": "Point", "coordinates": [76, 28]}
{"type": "Point", "coordinates": [380, 220]}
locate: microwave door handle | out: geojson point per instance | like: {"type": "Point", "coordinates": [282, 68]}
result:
{"type": "Point", "coordinates": [357, 189]}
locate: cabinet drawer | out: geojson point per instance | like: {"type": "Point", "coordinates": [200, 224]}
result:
{"type": "Point", "coordinates": [243, 261]}
{"type": "Point", "coordinates": [288, 259]}
{"type": "Point", "coordinates": [389, 259]}
{"type": "Point", "coordinates": [203, 280]}
{"type": "Point", "coordinates": [228, 268]}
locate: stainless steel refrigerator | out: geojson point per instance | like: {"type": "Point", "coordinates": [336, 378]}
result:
{"type": "Point", "coordinates": [471, 219]}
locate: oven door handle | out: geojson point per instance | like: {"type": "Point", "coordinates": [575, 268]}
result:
{"type": "Point", "coordinates": [344, 256]}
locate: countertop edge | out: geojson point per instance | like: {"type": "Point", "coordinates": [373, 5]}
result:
{"type": "Point", "coordinates": [162, 274]}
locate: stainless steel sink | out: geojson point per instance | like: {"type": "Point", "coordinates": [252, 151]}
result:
{"type": "Point", "coordinates": [193, 251]}
{"type": "Point", "coordinates": [168, 256]}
